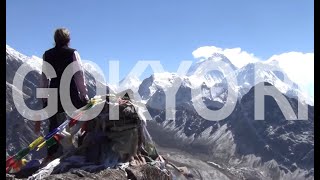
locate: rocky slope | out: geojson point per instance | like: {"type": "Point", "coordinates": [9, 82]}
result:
{"type": "Point", "coordinates": [274, 148]}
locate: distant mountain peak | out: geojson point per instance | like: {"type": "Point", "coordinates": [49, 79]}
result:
{"type": "Point", "coordinates": [215, 58]}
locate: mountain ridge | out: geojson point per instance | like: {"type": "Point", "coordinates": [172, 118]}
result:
{"type": "Point", "coordinates": [233, 144]}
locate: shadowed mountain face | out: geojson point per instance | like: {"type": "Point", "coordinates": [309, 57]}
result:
{"type": "Point", "coordinates": [275, 146]}
{"type": "Point", "coordinates": [19, 131]}
{"type": "Point", "coordinates": [289, 142]}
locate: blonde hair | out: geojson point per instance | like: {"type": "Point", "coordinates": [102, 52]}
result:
{"type": "Point", "coordinates": [62, 36]}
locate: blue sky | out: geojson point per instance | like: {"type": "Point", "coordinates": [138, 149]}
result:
{"type": "Point", "coordinates": [165, 30]}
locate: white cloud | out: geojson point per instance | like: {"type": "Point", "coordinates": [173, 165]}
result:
{"type": "Point", "coordinates": [237, 56]}
{"type": "Point", "coordinates": [299, 67]}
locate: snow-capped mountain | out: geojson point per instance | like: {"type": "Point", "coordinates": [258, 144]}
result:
{"type": "Point", "coordinates": [238, 147]}
{"type": "Point", "coordinates": [271, 149]}
{"type": "Point", "coordinates": [216, 57]}
{"type": "Point", "coordinates": [34, 61]}
{"type": "Point", "coordinates": [19, 131]}
{"type": "Point", "coordinates": [214, 83]}
{"type": "Point", "coordinates": [130, 82]}
{"type": "Point", "coordinates": [254, 73]}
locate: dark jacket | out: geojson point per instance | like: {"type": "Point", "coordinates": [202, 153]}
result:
{"type": "Point", "coordinates": [60, 58]}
